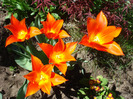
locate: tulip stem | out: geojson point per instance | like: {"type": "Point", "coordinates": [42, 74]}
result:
{"type": "Point", "coordinates": [23, 48]}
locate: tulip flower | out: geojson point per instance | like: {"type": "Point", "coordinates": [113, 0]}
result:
{"type": "Point", "coordinates": [100, 36]}
{"type": "Point", "coordinates": [59, 54]}
{"type": "Point", "coordinates": [51, 28]}
{"type": "Point", "coordinates": [41, 77]}
{"type": "Point", "coordinates": [20, 31]}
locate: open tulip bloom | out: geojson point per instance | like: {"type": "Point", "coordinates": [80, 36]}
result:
{"type": "Point", "coordinates": [20, 31]}
{"type": "Point", "coordinates": [41, 77]}
{"type": "Point", "coordinates": [59, 54]}
{"type": "Point", "coordinates": [51, 28]}
{"type": "Point", "coordinates": [100, 36]}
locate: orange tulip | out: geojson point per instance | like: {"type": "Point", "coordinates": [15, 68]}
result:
{"type": "Point", "coordinates": [20, 31]}
{"type": "Point", "coordinates": [100, 35]}
{"type": "Point", "coordinates": [41, 77]}
{"type": "Point", "coordinates": [59, 54]}
{"type": "Point", "coordinates": [51, 28]}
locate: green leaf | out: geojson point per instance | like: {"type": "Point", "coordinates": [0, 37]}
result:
{"type": "Point", "coordinates": [40, 54]}
{"type": "Point", "coordinates": [22, 91]}
{"type": "Point", "coordinates": [102, 93]}
{"type": "Point", "coordinates": [82, 92]}
{"type": "Point", "coordinates": [0, 95]}
{"type": "Point", "coordinates": [99, 97]}
{"type": "Point", "coordinates": [24, 62]}
{"type": "Point", "coordinates": [22, 57]}
{"type": "Point", "coordinates": [41, 38]}
{"type": "Point", "coordinates": [55, 15]}
{"type": "Point", "coordinates": [18, 6]}
{"type": "Point", "coordinates": [99, 77]}
{"type": "Point", "coordinates": [86, 97]}
{"type": "Point", "coordinates": [8, 15]}
{"type": "Point", "coordinates": [104, 82]}
{"type": "Point", "coordinates": [37, 21]}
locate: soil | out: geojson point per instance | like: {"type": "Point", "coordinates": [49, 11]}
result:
{"type": "Point", "coordinates": [12, 80]}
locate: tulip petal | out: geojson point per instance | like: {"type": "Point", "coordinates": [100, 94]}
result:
{"type": "Point", "coordinates": [91, 26]}
{"type": "Point", "coordinates": [114, 48]}
{"type": "Point", "coordinates": [62, 67]}
{"type": "Point", "coordinates": [11, 39]}
{"type": "Point", "coordinates": [50, 19]}
{"type": "Point", "coordinates": [63, 34]}
{"type": "Point", "coordinates": [57, 79]}
{"type": "Point", "coordinates": [23, 25]}
{"type": "Point", "coordinates": [47, 69]}
{"type": "Point", "coordinates": [13, 29]}
{"type": "Point", "coordinates": [101, 21]}
{"type": "Point", "coordinates": [46, 87]}
{"type": "Point", "coordinates": [84, 40]}
{"type": "Point", "coordinates": [59, 46]}
{"type": "Point", "coordinates": [14, 21]}
{"type": "Point", "coordinates": [33, 31]}
{"type": "Point", "coordinates": [117, 31]}
{"type": "Point", "coordinates": [46, 28]}
{"type": "Point", "coordinates": [31, 76]}
{"type": "Point", "coordinates": [31, 89]}
{"type": "Point", "coordinates": [57, 26]}
{"type": "Point", "coordinates": [98, 46]}
{"type": "Point", "coordinates": [47, 48]}
{"type": "Point", "coordinates": [68, 57]}
{"type": "Point", "coordinates": [70, 47]}
{"type": "Point", "coordinates": [36, 63]}
{"type": "Point", "coordinates": [106, 35]}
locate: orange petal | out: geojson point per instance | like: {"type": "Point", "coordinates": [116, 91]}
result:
{"type": "Point", "coordinates": [62, 67]}
{"type": "Point", "coordinates": [57, 79]}
{"type": "Point", "coordinates": [91, 26]}
{"type": "Point", "coordinates": [101, 21]}
{"type": "Point", "coordinates": [117, 31]}
{"type": "Point", "coordinates": [68, 57]}
{"type": "Point", "coordinates": [106, 35]}
{"type": "Point", "coordinates": [14, 21]}
{"type": "Point", "coordinates": [59, 46]}
{"type": "Point", "coordinates": [46, 28]}
{"type": "Point", "coordinates": [47, 69]}
{"type": "Point", "coordinates": [51, 35]}
{"type": "Point", "coordinates": [63, 34]}
{"type": "Point", "coordinates": [23, 25]}
{"type": "Point", "coordinates": [57, 26]}
{"type": "Point", "coordinates": [11, 39]}
{"type": "Point", "coordinates": [50, 19]}
{"type": "Point", "coordinates": [114, 48]}
{"type": "Point", "coordinates": [13, 29]}
{"type": "Point", "coordinates": [97, 46]}
{"type": "Point", "coordinates": [46, 87]}
{"type": "Point", "coordinates": [31, 89]}
{"type": "Point", "coordinates": [31, 76]}
{"type": "Point", "coordinates": [33, 31]}
{"type": "Point", "coordinates": [36, 63]}
{"type": "Point", "coordinates": [47, 48]}
{"type": "Point", "coordinates": [84, 40]}
{"type": "Point", "coordinates": [70, 47]}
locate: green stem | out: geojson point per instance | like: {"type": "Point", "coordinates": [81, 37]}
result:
{"type": "Point", "coordinates": [22, 48]}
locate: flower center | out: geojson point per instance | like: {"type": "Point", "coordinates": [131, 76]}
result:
{"type": "Point", "coordinates": [43, 78]}
{"type": "Point", "coordinates": [22, 34]}
{"type": "Point", "coordinates": [57, 58]}
{"type": "Point", "coordinates": [96, 39]}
